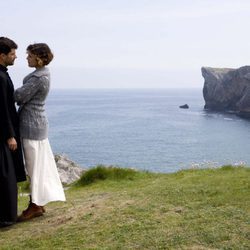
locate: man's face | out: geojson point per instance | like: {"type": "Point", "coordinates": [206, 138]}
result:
{"type": "Point", "coordinates": [9, 59]}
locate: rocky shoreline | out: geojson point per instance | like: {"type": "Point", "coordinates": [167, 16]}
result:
{"type": "Point", "coordinates": [68, 170]}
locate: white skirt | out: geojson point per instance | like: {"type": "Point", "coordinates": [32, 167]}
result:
{"type": "Point", "coordinates": [45, 184]}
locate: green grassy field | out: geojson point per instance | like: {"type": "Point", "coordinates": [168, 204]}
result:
{"type": "Point", "coordinates": [190, 209]}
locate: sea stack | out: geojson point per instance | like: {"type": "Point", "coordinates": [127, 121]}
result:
{"type": "Point", "coordinates": [227, 89]}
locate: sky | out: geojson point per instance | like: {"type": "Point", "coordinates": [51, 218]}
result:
{"type": "Point", "coordinates": [129, 43]}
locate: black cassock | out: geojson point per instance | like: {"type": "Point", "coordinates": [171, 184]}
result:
{"type": "Point", "coordinates": [11, 162]}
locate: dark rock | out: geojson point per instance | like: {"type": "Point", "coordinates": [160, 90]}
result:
{"type": "Point", "coordinates": [227, 89]}
{"type": "Point", "coordinates": [185, 106]}
{"type": "Point", "coordinates": [244, 114]}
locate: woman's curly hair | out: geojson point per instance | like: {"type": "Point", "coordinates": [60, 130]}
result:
{"type": "Point", "coordinates": [42, 51]}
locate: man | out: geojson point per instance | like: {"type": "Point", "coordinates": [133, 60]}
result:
{"type": "Point", "coordinates": [11, 160]}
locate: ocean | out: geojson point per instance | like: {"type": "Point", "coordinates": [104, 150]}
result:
{"type": "Point", "coordinates": [144, 129]}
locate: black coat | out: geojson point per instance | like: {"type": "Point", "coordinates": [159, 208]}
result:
{"type": "Point", "coordinates": [9, 127]}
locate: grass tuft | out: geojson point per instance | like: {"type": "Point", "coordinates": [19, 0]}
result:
{"type": "Point", "coordinates": [101, 172]}
{"type": "Point", "coordinates": [227, 167]}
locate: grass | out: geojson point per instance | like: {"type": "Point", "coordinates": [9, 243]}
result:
{"type": "Point", "coordinates": [101, 172]}
{"type": "Point", "coordinates": [190, 209]}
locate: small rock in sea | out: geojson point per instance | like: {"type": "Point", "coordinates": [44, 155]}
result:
{"type": "Point", "coordinates": [185, 106]}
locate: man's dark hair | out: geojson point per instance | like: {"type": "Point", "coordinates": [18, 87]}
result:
{"type": "Point", "coordinates": [6, 45]}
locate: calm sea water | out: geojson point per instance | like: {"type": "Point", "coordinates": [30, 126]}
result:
{"type": "Point", "coordinates": [144, 129]}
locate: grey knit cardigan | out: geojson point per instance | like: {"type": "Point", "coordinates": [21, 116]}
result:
{"type": "Point", "coordinates": [31, 99]}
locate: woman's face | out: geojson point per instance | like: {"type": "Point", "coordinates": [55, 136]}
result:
{"type": "Point", "coordinates": [32, 60]}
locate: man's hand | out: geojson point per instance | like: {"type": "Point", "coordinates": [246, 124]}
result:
{"type": "Point", "coordinates": [12, 143]}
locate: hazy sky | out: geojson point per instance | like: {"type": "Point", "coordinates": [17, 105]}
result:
{"type": "Point", "coordinates": [129, 43]}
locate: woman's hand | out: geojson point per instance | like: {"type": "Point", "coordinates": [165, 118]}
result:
{"type": "Point", "coordinates": [12, 143]}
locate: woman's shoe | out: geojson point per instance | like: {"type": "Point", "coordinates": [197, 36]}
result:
{"type": "Point", "coordinates": [43, 209]}
{"type": "Point", "coordinates": [31, 212]}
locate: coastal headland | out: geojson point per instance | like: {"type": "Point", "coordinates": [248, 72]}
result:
{"type": "Point", "coordinates": [115, 208]}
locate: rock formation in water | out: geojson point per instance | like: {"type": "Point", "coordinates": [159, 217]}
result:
{"type": "Point", "coordinates": [185, 106]}
{"type": "Point", "coordinates": [68, 170]}
{"type": "Point", "coordinates": [227, 89]}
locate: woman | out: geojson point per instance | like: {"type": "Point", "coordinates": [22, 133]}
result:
{"type": "Point", "coordinates": [45, 184]}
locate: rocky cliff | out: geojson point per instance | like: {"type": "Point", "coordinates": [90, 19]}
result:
{"type": "Point", "coordinates": [68, 170]}
{"type": "Point", "coordinates": [227, 89]}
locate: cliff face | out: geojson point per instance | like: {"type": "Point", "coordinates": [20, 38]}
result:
{"type": "Point", "coordinates": [227, 89]}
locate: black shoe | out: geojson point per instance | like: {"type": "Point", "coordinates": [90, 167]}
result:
{"type": "Point", "coordinates": [6, 223]}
